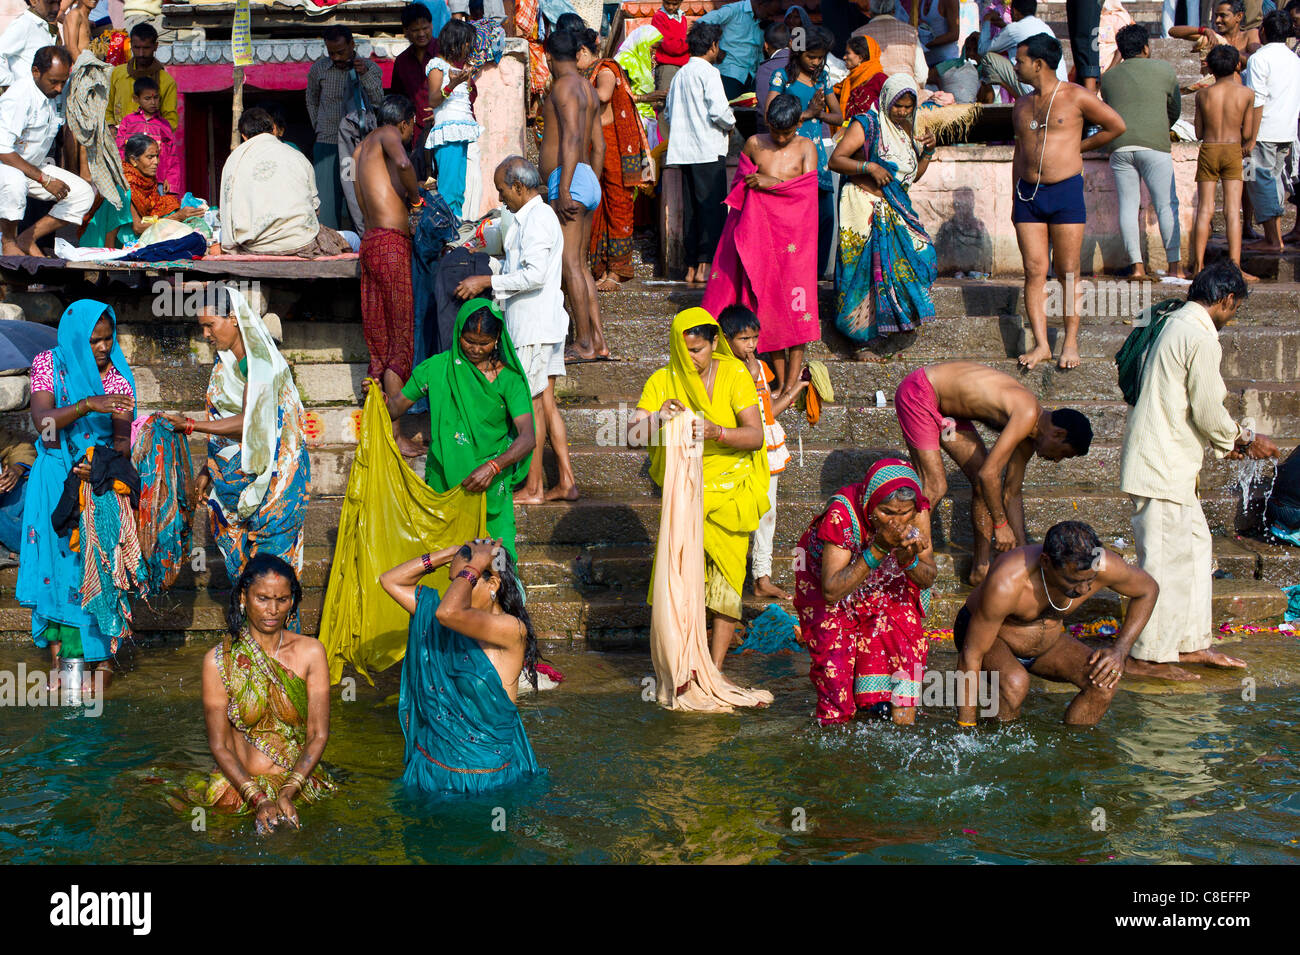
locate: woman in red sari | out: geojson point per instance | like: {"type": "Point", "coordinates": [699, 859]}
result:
{"type": "Point", "coordinates": [626, 166]}
{"type": "Point", "coordinates": [862, 595]}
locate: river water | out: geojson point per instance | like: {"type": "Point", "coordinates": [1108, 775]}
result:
{"type": "Point", "coordinates": [1174, 775]}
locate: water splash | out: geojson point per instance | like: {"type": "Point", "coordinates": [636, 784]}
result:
{"type": "Point", "coordinates": [1250, 471]}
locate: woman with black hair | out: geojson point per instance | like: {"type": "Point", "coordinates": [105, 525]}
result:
{"type": "Point", "coordinates": [272, 686]}
{"type": "Point", "coordinates": [480, 414]}
{"type": "Point", "coordinates": [460, 677]}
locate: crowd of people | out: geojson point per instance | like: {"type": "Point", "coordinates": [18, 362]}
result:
{"type": "Point", "coordinates": [821, 189]}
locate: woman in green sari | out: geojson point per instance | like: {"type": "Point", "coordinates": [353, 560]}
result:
{"type": "Point", "coordinates": [266, 703]}
{"type": "Point", "coordinates": [480, 415]}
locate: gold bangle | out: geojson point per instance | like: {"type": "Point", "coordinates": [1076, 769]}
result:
{"type": "Point", "coordinates": [249, 789]}
{"type": "Point", "coordinates": [295, 779]}
{"type": "Point", "coordinates": [960, 723]}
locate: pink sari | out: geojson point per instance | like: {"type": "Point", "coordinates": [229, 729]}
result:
{"type": "Point", "coordinates": [767, 259]}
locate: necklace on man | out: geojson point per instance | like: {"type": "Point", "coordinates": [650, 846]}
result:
{"type": "Point", "coordinates": [1042, 147]}
{"type": "Point", "coordinates": [1048, 593]}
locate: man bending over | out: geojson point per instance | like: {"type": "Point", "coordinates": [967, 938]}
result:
{"type": "Point", "coordinates": [936, 405]}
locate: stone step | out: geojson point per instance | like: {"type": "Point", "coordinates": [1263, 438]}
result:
{"type": "Point", "coordinates": [608, 621]}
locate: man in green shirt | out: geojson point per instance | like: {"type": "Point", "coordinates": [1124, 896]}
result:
{"type": "Point", "coordinates": [1141, 153]}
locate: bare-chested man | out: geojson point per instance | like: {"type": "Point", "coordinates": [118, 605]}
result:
{"type": "Point", "coordinates": [1013, 624]}
{"type": "Point", "coordinates": [387, 194]}
{"type": "Point", "coordinates": [936, 405]}
{"type": "Point", "coordinates": [573, 147]}
{"type": "Point", "coordinates": [76, 27]}
{"type": "Point", "coordinates": [1228, 18]}
{"type": "Point", "coordinates": [1047, 175]}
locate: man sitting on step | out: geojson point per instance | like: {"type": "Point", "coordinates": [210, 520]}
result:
{"type": "Point", "coordinates": [1013, 624]}
{"type": "Point", "coordinates": [936, 406]}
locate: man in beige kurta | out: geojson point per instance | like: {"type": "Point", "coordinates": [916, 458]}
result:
{"type": "Point", "coordinates": [1180, 410]}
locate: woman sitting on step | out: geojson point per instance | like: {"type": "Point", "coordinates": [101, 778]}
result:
{"type": "Point", "coordinates": [460, 677]}
{"type": "Point", "coordinates": [258, 470]}
{"type": "Point", "coordinates": [862, 594]}
{"type": "Point", "coordinates": [480, 415]}
{"type": "Point", "coordinates": [703, 377]}
{"type": "Point", "coordinates": [83, 397]}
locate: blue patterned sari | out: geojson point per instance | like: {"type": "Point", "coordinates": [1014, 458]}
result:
{"type": "Point", "coordinates": [887, 261]}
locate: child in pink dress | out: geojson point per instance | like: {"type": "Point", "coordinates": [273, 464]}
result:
{"type": "Point", "coordinates": [148, 119]}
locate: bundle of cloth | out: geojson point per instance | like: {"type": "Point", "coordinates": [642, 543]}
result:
{"type": "Point", "coordinates": [161, 457]}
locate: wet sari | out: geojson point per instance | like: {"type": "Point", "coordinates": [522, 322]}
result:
{"type": "Point", "coordinates": [870, 647]}
{"type": "Point", "coordinates": [735, 482]}
{"type": "Point", "coordinates": [50, 573]}
{"type": "Point", "coordinates": [887, 262]}
{"type": "Point", "coordinates": [268, 706]}
{"type": "Point", "coordinates": [463, 733]}
{"type": "Point", "coordinates": [471, 420]}
{"type": "Point", "coordinates": [260, 483]}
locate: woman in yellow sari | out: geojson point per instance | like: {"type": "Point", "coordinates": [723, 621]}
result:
{"type": "Point", "coordinates": [703, 377]}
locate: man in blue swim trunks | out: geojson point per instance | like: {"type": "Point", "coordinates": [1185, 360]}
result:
{"type": "Point", "coordinates": [1013, 623]}
{"type": "Point", "coordinates": [573, 146]}
{"type": "Point", "coordinates": [1047, 173]}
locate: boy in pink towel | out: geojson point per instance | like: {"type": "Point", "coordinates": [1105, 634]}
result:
{"type": "Point", "coordinates": [767, 259]}
{"type": "Point", "coordinates": [148, 119]}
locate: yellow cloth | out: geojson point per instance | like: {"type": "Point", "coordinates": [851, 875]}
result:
{"type": "Point", "coordinates": [685, 676]}
{"type": "Point", "coordinates": [389, 516]}
{"type": "Point", "coordinates": [121, 90]}
{"type": "Point", "coordinates": [735, 482]}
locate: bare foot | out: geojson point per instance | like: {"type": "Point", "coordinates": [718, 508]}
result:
{"type": "Point", "coordinates": [763, 587]}
{"type": "Point", "coordinates": [1176, 272]}
{"type": "Point", "coordinates": [608, 283]}
{"type": "Point", "coordinates": [1032, 357]}
{"type": "Point", "coordinates": [977, 574]}
{"type": "Point", "coordinates": [30, 248]}
{"type": "Point", "coordinates": [1249, 278]}
{"type": "Point", "coordinates": [690, 276]}
{"type": "Point", "coordinates": [406, 448]}
{"type": "Point", "coordinates": [524, 496]}
{"type": "Point", "coordinates": [1157, 671]}
{"type": "Point", "coordinates": [1212, 658]}
{"type": "Point", "coordinates": [8, 247]}
{"type": "Point", "coordinates": [562, 492]}
{"type": "Point", "coordinates": [1069, 356]}
{"type": "Point", "coordinates": [1263, 245]}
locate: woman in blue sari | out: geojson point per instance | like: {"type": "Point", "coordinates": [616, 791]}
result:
{"type": "Point", "coordinates": [83, 396]}
{"type": "Point", "coordinates": [804, 77]}
{"type": "Point", "coordinates": [887, 261]}
{"type": "Point", "coordinates": [461, 673]}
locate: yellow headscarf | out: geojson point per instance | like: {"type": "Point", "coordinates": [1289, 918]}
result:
{"type": "Point", "coordinates": [735, 482]}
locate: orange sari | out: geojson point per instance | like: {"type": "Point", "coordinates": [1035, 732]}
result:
{"type": "Point", "coordinates": [145, 196]}
{"type": "Point", "coordinates": [626, 152]}
{"type": "Point", "coordinates": [859, 75]}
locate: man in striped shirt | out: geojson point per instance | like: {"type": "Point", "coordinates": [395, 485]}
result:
{"type": "Point", "coordinates": [1179, 410]}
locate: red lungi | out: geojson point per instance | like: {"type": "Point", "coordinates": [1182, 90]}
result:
{"type": "Point", "coordinates": [387, 302]}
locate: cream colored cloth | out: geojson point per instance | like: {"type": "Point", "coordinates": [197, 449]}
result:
{"type": "Point", "coordinates": [1173, 546]}
{"type": "Point", "coordinates": [268, 199]}
{"type": "Point", "coordinates": [1179, 410]}
{"type": "Point", "coordinates": [679, 638]}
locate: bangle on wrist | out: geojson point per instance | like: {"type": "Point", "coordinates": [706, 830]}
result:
{"type": "Point", "coordinates": [998, 527]}
{"type": "Point", "coordinates": [470, 574]}
{"type": "Point", "coordinates": [870, 559]}
{"type": "Point", "coordinates": [496, 468]}
{"type": "Point", "coordinates": [915, 560]}
{"type": "Point", "coordinates": [960, 723]}
{"type": "Point", "coordinates": [189, 426]}
{"type": "Point", "coordinates": [428, 563]}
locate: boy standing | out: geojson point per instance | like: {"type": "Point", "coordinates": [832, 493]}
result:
{"type": "Point", "coordinates": [148, 119]}
{"type": "Point", "coordinates": [1226, 124]}
{"type": "Point", "coordinates": [767, 259]}
{"type": "Point", "coordinates": [741, 327]}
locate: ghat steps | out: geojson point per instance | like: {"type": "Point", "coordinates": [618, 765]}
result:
{"type": "Point", "coordinates": [587, 564]}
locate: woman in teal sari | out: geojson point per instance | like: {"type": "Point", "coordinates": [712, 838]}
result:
{"type": "Point", "coordinates": [461, 673]}
{"type": "Point", "coordinates": [83, 396]}
{"type": "Point", "coordinates": [480, 415]}
{"type": "Point", "coordinates": [886, 261]}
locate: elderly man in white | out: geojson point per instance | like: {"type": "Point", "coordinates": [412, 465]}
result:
{"type": "Point", "coordinates": [529, 292]}
{"type": "Point", "coordinates": [31, 114]}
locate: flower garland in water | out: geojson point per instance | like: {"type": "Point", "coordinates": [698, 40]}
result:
{"type": "Point", "coordinates": [1227, 628]}
{"type": "Point", "coordinates": [1109, 626]}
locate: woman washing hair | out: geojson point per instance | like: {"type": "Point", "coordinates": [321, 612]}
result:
{"type": "Point", "coordinates": [460, 677]}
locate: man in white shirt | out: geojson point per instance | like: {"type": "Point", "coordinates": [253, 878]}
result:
{"type": "Point", "coordinates": [1273, 72]}
{"type": "Point", "coordinates": [997, 56]}
{"type": "Point", "coordinates": [31, 114]}
{"type": "Point", "coordinates": [1179, 410]}
{"type": "Point", "coordinates": [700, 122]}
{"type": "Point", "coordinates": [27, 33]}
{"type": "Point", "coordinates": [528, 288]}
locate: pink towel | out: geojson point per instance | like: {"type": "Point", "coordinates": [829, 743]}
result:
{"type": "Point", "coordinates": [767, 259]}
